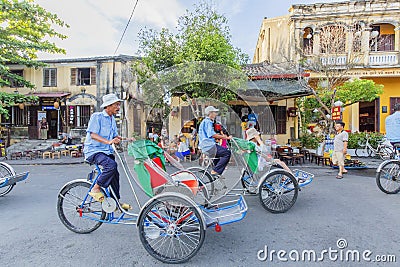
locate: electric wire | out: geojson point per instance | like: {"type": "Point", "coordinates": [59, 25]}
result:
{"type": "Point", "coordinates": [126, 27]}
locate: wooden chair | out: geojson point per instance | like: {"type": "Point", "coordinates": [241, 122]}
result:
{"type": "Point", "coordinates": [47, 154]}
{"type": "Point", "coordinates": [65, 153]}
{"type": "Point", "coordinates": [16, 155]}
{"type": "Point", "coordinates": [56, 154]}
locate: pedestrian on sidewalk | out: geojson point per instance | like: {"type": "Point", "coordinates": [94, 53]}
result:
{"type": "Point", "coordinates": [340, 148]}
{"type": "Point", "coordinates": [44, 126]}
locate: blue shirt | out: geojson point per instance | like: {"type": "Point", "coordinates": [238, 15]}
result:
{"type": "Point", "coordinates": [393, 127]}
{"type": "Point", "coordinates": [104, 125]}
{"type": "Point", "coordinates": [206, 131]}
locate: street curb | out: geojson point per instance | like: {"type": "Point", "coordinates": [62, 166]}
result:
{"type": "Point", "coordinates": [45, 163]}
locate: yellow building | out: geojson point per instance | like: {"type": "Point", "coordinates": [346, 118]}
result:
{"type": "Point", "coordinates": [370, 30]}
{"type": "Point", "coordinates": [69, 91]}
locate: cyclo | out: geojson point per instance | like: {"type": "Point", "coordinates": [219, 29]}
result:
{"type": "Point", "coordinates": [9, 178]}
{"type": "Point", "coordinates": [182, 204]}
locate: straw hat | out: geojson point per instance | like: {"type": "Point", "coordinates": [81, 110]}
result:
{"type": "Point", "coordinates": [251, 133]}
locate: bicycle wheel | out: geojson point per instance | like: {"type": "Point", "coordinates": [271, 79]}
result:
{"type": "Point", "coordinates": [205, 180]}
{"type": "Point", "coordinates": [5, 172]}
{"type": "Point", "coordinates": [386, 153]}
{"type": "Point", "coordinates": [388, 179]}
{"type": "Point", "coordinates": [363, 152]}
{"type": "Point", "coordinates": [250, 181]}
{"type": "Point", "coordinates": [278, 191]}
{"type": "Point", "coordinates": [171, 229]}
{"type": "Point", "coordinates": [78, 211]}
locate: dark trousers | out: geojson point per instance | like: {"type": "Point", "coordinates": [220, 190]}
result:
{"type": "Point", "coordinates": [222, 156]}
{"type": "Point", "coordinates": [109, 175]}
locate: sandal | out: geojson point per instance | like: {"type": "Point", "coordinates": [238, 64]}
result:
{"type": "Point", "coordinates": [98, 196]}
{"type": "Point", "coordinates": [126, 206]}
{"type": "Point", "coordinates": [339, 176]}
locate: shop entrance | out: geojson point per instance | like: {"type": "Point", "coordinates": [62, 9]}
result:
{"type": "Point", "coordinates": [52, 119]}
{"type": "Point", "coordinates": [368, 116]}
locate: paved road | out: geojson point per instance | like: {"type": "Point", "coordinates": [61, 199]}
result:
{"type": "Point", "coordinates": [329, 209]}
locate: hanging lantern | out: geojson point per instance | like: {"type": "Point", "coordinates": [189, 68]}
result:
{"type": "Point", "coordinates": [21, 105]}
{"type": "Point", "coordinates": [56, 105]}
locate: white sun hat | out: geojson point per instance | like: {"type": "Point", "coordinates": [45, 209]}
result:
{"type": "Point", "coordinates": [109, 100]}
{"type": "Point", "coordinates": [251, 133]}
{"type": "Point", "coordinates": [210, 109]}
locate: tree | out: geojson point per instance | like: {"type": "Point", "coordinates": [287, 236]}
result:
{"type": "Point", "coordinates": [25, 28]}
{"type": "Point", "coordinates": [340, 50]}
{"type": "Point", "coordinates": [203, 36]}
{"type": "Point", "coordinates": [9, 99]}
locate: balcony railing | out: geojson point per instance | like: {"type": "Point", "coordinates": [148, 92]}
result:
{"type": "Point", "coordinates": [334, 60]}
{"type": "Point", "coordinates": [383, 58]}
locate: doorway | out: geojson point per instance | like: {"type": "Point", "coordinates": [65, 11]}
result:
{"type": "Point", "coordinates": [52, 119]}
{"type": "Point", "coordinates": [368, 121]}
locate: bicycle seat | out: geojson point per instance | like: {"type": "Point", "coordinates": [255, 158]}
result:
{"type": "Point", "coordinates": [397, 145]}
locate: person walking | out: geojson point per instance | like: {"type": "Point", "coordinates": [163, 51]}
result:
{"type": "Point", "coordinates": [340, 148]}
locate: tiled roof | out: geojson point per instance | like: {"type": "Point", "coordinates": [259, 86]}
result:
{"type": "Point", "coordinates": [265, 70]}
{"type": "Point", "coordinates": [275, 81]}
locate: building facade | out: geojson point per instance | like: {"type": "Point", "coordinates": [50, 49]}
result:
{"type": "Point", "coordinates": [69, 91]}
{"type": "Point", "coordinates": [368, 29]}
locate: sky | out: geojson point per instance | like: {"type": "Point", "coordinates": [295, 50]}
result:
{"type": "Point", "coordinates": [96, 26]}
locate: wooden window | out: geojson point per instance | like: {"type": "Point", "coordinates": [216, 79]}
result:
{"type": "Point", "coordinates": [83, 76]}
{"type": "Point", "coordinates": [73, 76]}
{"type": "Point", "coordinates": [280, 119]}
{"type": "Point", "coordinates": [50, 77]}
{"type": "Point", "coordinates": [17, 116]}
{"type": "Point", "coordinates": [15, 83]}
{"type": "Point", "coordinates": [82, 116]}
{"type": "Point", "coordinates": [79, 116]}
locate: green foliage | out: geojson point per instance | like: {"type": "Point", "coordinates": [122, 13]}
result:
{"type": "Point", "coordinates": [203, 36]}
{"type": "Point", "coordinates": [25, 28]}
{"type": "Point", "coordinates": [357, 140]}
{"type": "Point", "coordinates": [350, 92]}
{"type": "Point", "coordinates": [9, 99]}
{"type": "Point", "coordinates": [359, 90]}
{"type": "Point", "coordinates": [309, 140]}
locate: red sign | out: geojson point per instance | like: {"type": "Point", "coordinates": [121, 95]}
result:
{"type": "Point", "coordinates": [336, 113]}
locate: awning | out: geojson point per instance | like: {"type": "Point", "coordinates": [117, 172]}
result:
{"type": "Point", "coordinates": [50, 95]}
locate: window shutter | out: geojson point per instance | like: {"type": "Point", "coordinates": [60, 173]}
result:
{"type": "Point", "coordinates": [46, 74]}
{"type": "Point", "coordinates": [92, 76]}
{"type": "Point", "coordinates": [281, 120]}
{"type": "Point", "coordinates": [53, 77]}
{"type": "Point", "coordinates": [73, 77]}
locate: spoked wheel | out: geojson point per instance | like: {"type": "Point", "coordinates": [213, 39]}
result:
{"type": "Point", "coordinates": [5, 172]}
{"type": "Point", "coordinates": [206, 185]}
{"type": "Point", "coordinates": [388, 179]}
{"type": "Point", "coordinates": [250, 181]}
{"type": "Point", "coordinates": [363, 152]}
{"type": "Point", "coordinates": [386, 153]}
{"type": "Point", "coordinates": [278, 191]}
{"type": "Point", "coordinates": [171, 229]}
{"type": "Point", "coordinates": [78, 211]}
